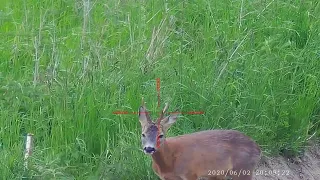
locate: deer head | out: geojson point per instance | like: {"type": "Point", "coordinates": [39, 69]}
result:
{"type": "Point", "coordinates": [153, 132]}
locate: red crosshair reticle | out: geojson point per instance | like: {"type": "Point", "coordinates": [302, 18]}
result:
{"type": "Point", "coordinates": [158, 133]}
{"type": "Point", "coordinates": [158, 91]}
{"type": "Point", "coordinates": [158, 121]}
{"type": "Point", "coordinates": [178, 112]}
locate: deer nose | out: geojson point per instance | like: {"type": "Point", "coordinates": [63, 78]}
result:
{"type": "Point", "coordinates": [149, 149]}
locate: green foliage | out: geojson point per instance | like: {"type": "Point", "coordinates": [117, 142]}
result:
{"type": "Point", "coordinates": [67, 65]}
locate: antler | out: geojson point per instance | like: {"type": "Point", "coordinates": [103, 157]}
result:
{"type": "Point", "coordinates": [142, 102]}
{"type": "Point", "coordinates": [145, 110]}
{"type": "Point", "coordinates": [163, 112]}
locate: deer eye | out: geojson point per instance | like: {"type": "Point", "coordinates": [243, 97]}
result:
{"type": "Point", "coordinates": [143, 135]}
{"type": "Point", "coordinates": [161, 136]}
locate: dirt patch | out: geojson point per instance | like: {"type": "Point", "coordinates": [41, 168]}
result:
{"type": "Point", "coordinates": [305, 167]}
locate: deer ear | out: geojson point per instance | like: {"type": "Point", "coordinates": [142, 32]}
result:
{"type": "Point", "coordinates": [144, 117]}
{"type": "Point", "coordinates": [168, 121]}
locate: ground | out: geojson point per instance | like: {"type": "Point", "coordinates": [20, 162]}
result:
{"type": "Point", "coordinates": [305, 167]}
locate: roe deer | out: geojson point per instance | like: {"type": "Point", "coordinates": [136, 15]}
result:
{"type": "Point", "coordinates": [205, 155]}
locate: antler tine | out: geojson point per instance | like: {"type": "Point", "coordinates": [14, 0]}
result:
{"type": "Point", "coordinates": [165, 108]}
{"type": "Point", "coordinates": [163, 111]}
{"type": "Point", "coordinates": [142, 102]}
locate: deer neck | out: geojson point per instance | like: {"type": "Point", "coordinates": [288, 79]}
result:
{"type": "Point", "coordinates": [163, 158]}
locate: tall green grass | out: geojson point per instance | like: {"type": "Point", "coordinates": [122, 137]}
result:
{"type": "Point", "coordinates": [67, 65]}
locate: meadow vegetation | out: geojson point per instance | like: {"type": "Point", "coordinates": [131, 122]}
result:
{"type": "Point", "coordinates": [66, 66]}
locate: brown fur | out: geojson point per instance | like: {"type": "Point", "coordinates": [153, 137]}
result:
{"type": "Point", "coordinates": [201, 154]}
